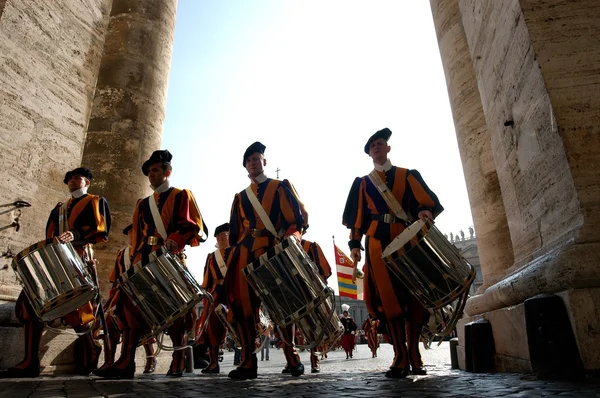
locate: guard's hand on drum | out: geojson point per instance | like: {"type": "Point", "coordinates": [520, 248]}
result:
{"type": "Point", "coordinates": [425, 214]}
{"type": "Point", "coordinates": [171, 246]}
{"type": "Point", "coordinates": [66, 237]}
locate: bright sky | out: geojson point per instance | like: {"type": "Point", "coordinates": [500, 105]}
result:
{"type": "Point", "coordinates": [312, 80]}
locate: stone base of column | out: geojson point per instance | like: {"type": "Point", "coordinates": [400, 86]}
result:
{"type": "Point", "coordinates": [57, 351]}
{"type": "Point", "coordinates": [509, 329]}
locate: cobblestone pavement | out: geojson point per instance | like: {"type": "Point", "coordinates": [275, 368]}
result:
{"type": "Point", "coordinates": [361, 376]}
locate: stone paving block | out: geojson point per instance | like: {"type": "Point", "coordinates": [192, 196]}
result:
{"type": "Point", "coordinates": [360, 377]}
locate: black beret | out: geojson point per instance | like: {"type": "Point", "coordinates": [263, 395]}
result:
{"type": "Point", "coordinates": [222, 228]}
{"type": "Point", "coordinates": [384, 133]}
{"type": "Point", "coordinates": [256, 147]}
{"type": "Point", "coordinates": [127, 229]}
{"type": "Point", "coordinates": [160, 156]}
{"type": "Point", "coordinates": [81, 171]}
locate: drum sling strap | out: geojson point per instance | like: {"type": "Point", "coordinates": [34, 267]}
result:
{"type": "Point", "coordinates": [158, 222]}
{"type": "Point", "coordinates": [261, 212]}
{"type": "Point", "coordinates": [388, 196]}
{"type": "Point", "coordinates": [221, 262]}
{"type": "Point", "coordinates": [63, 219]}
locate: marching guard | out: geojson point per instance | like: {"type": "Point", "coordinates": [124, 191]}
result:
{"type": "Point", "coordinates": [168, 218]}
{"type": "Point", "coordinates": [372, 212]}
{"type": "Point", "coordinates": [82, 220]}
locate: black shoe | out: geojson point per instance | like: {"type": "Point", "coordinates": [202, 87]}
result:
{"type": "Point", "coordinates": [175, 373]}
{"type": "Point", "coordinates": [16, 373]}
{"type": "Point", "coordinates": [243, 374]}
{"type": "Point", "coordinates": [210, 370]}
{"type": "Point", "coordinates": [419, 371]}
{"type": "Point", "coordinates": [285, 370]}
{"type": "Point", "coordinates": [112, 372]}
{"type": "Point", "coordinates": [396, 373]}
{"type": "Point", "coordinates": [315, 370]}
{"type": "Point", "coordinates": [297, 371]}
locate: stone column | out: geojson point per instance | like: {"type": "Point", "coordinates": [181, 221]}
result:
{"type": "Point", "coordinates": [543, 203]}
{"type": "Point", "coordinates": [565, 37]}
{"type": "Point", "coordinates": [48, 69]}
{"type": "Point", "coordinates": [129, 110]}
{"type": "Point", "coordinates": [489, 217]}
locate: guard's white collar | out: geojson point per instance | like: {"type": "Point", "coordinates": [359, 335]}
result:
{"type": "Point", "coordinates": [79, 193]}
{"type": "Point", "coordinates": [383, 167]}
{"type": "Point", "coordinates": [259, 178]}
{"type": "Point", "coordinates": [164, 187]}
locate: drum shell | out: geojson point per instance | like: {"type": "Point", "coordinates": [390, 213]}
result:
{"type": "Point", "coordinates": [288, 283]}
{"type": "Point", "coordinates": [162, 289]}
{"type": "Point", "coordinates": [55, 279]}
{"type": "Point", "coordinates": [429, 266]}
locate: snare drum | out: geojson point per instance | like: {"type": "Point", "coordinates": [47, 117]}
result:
{"type": "Point", "coordinates": [288, 283]}
{"type": "Point", "coordinates": [163, 290]}
{"type": "Point", "coordinates": [433, 271]}
{"type": "Point", "coordinates": [54, 278]}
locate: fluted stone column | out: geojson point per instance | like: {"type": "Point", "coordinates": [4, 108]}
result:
{"type": "Point", "coordinates": [128, 114]}
{"type": "Point", "coordinates": [544, 207]}
{"type": "Point", "coordinates": [50, 55]}
{"type": "Point", "coordinates": [535, 66]}
{"type": "Point", "coordinates": [489, 215]}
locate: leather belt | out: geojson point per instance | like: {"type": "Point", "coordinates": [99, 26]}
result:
{"type": "Point", "coordinates": [257, 233]}
{"type": "Point", "coordinates": [386, 218]}
{"type": "Point", "coordinates": [154, 240]}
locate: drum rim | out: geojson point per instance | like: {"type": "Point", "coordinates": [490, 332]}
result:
{"type": "Point", "coordinates": [401, 240]}
{"type": "Point", "coordinates": [34, 247]}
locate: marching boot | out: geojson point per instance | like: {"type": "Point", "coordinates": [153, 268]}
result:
{"type": "Point", "coordinates": [90, 354]}
{"type": "Point", "coordinates": [124, 368]}
{"type": "Point", "coordinates": [178, 338]}
{"type": "Point", "coordinates": [397, 373]}
{"type": "Point", "coordinates": [246, 373]}
{"type": "Point", "coordinates": [248, 368]}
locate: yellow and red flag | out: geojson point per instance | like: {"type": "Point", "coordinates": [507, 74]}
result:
{"type": "Point", "coordinates": [345, 268]}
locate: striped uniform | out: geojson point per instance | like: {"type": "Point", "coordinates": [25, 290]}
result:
{"type": "Point", "coordinates": [370, 327]}
{"type": "Point", "coordinates": [315, 253]}
{"type": "Point", "coordinates": [386, 297]}
{"type": "Point", "coordinates": [286, 213]}
{"type": "Point", "coordinates": [183, 222]}
{"type": "Point", "coordinates": [213, 283]}
{"type": "Point", "coordinates": [88, 218]}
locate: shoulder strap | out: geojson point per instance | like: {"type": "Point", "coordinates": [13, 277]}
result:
{"type": "Point", "coordinates": [127, 257]}
{"type": "Point", "coordinates": [158, 222]}
{"type": "Point", "coordinates": [261, 211]}
{"type": "Point", "coordinates": [63, 219]}
{"type": "Point", "coordinates": [388, 196]}
{"type": "Point", "coordinates": [221, 262]}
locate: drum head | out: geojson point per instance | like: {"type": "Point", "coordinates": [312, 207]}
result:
{"type": "Point", "coordinates": [398, 243]}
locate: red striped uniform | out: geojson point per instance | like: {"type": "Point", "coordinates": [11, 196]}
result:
{"type": "Point", "coordinates": [213, 283]}
{"type": "Point", "coordinates": [315, 253]}
{"type": "Point", "coordinates": [183, 224]}
{"type": "Point", "coordinates": [386, 297]}
{"type": "Point", "coordinates": [286, 214]}
{"type": "Point", "coordinates": [88, 218]}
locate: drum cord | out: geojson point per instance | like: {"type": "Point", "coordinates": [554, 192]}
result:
{"type": "Point", "coordinates": [92, 327]}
